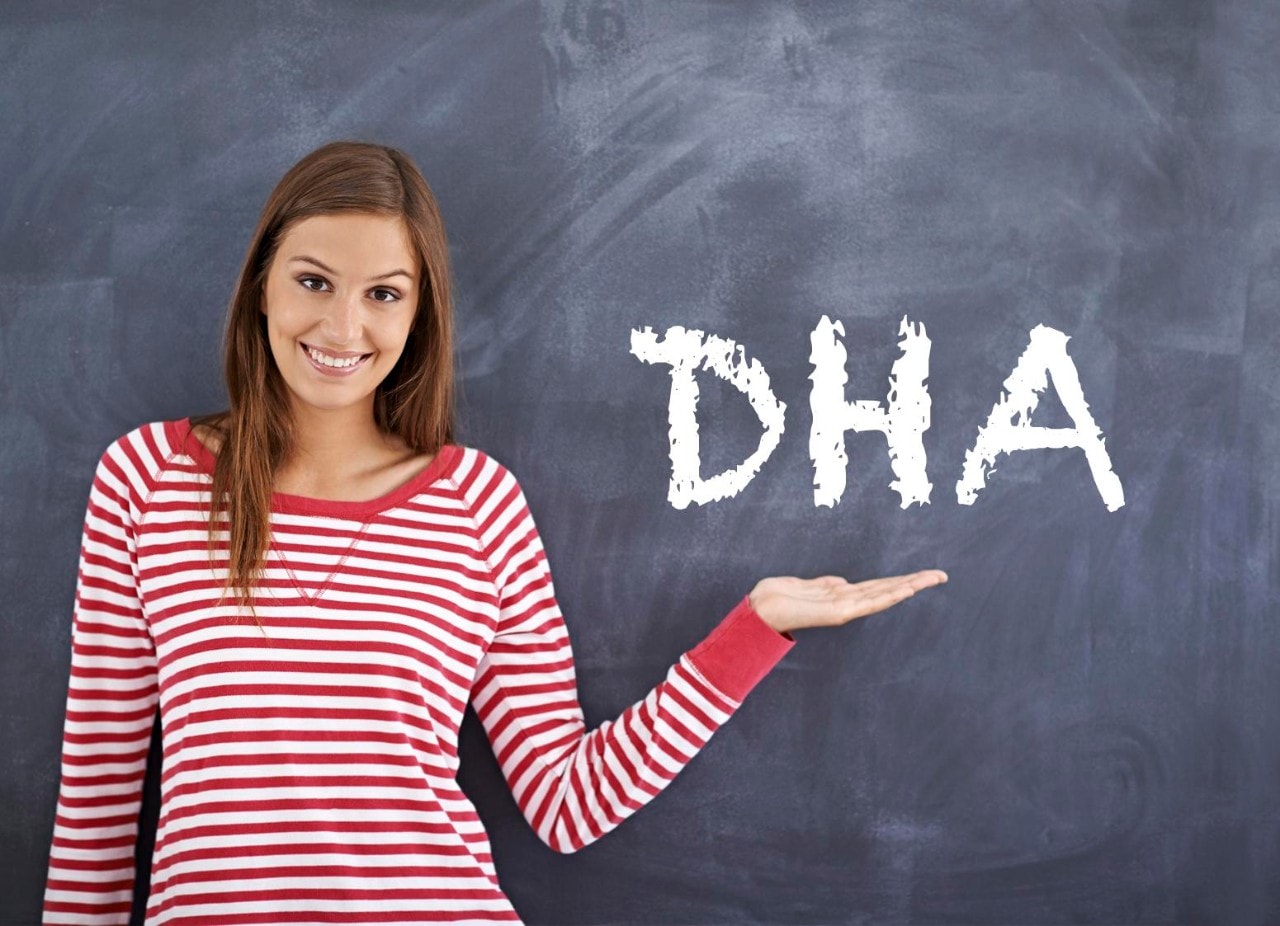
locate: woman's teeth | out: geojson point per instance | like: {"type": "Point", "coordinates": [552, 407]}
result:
{"type": "Point", "coordinates": [334, 362]}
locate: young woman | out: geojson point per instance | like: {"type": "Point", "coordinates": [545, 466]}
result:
{"type": "Point", "coordinates": [313, 637]}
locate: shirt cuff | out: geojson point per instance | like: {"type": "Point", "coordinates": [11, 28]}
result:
{"type": "Point", "coordinates": [740, 651]}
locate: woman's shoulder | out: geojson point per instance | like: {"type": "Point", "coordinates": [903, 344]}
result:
{"type": "Point", "coordinates": [136, 459]}
{"type": "Point", "coordinates": [156, 443]}
{"type": "Point", "coordinates": [486, 461]}
{"type": "Point", "coordinates": [150, 438]}
{"type": "Point", "coordinates": [484, 477]}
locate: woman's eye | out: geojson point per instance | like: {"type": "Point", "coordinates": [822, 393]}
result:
{"type": "Point", "coordinates": [305, 280]}
{"type": "Point", "coordinates": [390, 292]}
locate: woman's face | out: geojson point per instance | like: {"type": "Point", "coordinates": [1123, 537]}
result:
{"type": "Point", "coordinates": [343, 285]}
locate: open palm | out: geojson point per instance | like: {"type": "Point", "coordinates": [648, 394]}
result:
{"type": "Point", "coordinates": [788, 603]}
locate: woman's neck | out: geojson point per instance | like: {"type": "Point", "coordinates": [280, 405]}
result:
{"type": "Point", "coordinates": [335, 446]}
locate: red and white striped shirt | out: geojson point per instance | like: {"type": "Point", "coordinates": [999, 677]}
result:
{"type": "Point", "coordinates": [309, 766]}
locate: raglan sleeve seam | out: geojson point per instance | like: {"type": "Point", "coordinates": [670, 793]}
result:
{"type": "Point", "coordinates": [139, 440]}
{"type": "Point", "coordinates": [481, 547]}
{"type": "Point", "coordinates": [152, 482]}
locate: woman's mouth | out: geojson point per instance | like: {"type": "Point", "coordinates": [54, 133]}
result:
{"type": "Point", "coordinates": [329, 366]}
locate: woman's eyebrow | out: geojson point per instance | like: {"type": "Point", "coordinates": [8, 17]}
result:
{"type": "Point", "coordinates": [383, 276]}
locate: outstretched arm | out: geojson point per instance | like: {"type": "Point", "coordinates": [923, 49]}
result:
{"type": "Point", "coordinates": [573, 786]}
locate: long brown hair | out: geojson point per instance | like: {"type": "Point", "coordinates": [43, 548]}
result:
{"type": "Point", "coordinates": [414, 401]}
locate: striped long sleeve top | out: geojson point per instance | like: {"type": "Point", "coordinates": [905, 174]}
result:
{"type": "Point", "coordinates": [309, 765]}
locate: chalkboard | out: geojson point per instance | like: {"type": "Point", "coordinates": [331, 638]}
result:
{"type": "Point", "coordinates": [1082, 726]}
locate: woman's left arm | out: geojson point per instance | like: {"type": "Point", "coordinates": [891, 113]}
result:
{"type": "Point", "coordinates": [574, 785]}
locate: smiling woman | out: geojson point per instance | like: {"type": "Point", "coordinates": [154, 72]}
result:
{"type": "Point", "coordinates": [393, 577]}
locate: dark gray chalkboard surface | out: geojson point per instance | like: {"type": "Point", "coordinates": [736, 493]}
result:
{"type": "Point", "coordinates": [1083, 726]}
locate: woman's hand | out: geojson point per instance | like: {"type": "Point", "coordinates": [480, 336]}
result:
{"type": "Point", "coordinates": [787, 603]}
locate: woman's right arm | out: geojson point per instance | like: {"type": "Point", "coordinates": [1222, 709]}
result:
{"type": "Point", "coordinates": [111, 706]}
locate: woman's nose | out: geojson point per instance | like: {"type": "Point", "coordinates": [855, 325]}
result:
{"type": "Point", "coordinates": [344, 320]}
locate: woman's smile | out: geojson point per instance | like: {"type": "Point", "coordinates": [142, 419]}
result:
{"type": "Point", "coordinates": [330, 365]}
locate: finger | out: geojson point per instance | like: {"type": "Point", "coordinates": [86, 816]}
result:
{"type": "Point", "coordinates": [879, 594]}
{"type": "Point", "coordinates": [913, 579]}
{"type": "Point", "coordinates": [928, 575]}
{"type": "Point", "coordinates": [873, 604]}
{"type": "Point", "coordinates": [926, 578]}
{"type": "Point", "coordinates": [921, 579]}
{"type": "Point", "coordinates": [918, 580]}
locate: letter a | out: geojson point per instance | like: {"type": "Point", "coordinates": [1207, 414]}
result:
{"type": "Point", "coordinates": [903, 424]}
{"type": "Point", "coordinates": [684, 350]}
{"type": "Point", "coordinates": [1046, 354]}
